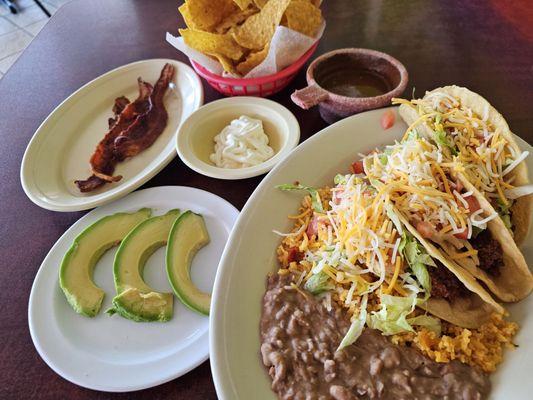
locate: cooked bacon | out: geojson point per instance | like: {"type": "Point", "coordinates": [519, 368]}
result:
{"type": "Point", "coordinates": [120, 103]}
{"type": "Point", "coordinates": [142, 133]}
{"type": "Point", "coordinates": [103, 160]}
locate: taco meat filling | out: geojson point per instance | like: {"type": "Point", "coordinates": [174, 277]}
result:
{"type": "Point", "coordinates": [489, 252]}
{"type": "Point", "coordinates": [444, 284]}
{"type": "Point", "coordinates": [299, 339]}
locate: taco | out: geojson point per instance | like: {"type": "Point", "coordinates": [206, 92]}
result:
{"type": "Point", "coordinates": [450, 214]}
{"type": "Point", "coordinates": [356, 246]}
{"type": "Point", "coordinates": [476, 138]}
{"type": "Point", "coordinates": [472, 307]}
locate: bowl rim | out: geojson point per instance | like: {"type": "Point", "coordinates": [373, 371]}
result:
{"type": "Point", "coordinates": [190, 159]}
{"type": "Point", "coordinates": [289, 70]}
{"type": "Point", "coordinates": [385, 97]}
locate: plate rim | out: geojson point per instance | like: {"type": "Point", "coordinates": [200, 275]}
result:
{"type": "Point", "coordinates": [65, 374]}
{"type": "Point", "coordinates": [28, 185]}
{"type": "Point", "coordinates": [224, 384]}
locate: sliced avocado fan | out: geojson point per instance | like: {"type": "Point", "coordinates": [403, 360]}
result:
{"type": "Point", "coordinates": [77, 267]}
{"type": "Point", "coordinates": [187, 236]}
{"type": "Point", "coordinates": [136, 300]}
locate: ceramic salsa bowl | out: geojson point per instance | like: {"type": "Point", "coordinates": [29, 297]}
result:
{"type": "Point", "coordinates": [347, 81]}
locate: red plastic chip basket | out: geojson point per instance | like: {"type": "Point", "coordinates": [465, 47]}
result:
{"type": "Point", "coordinates": [263, 86]}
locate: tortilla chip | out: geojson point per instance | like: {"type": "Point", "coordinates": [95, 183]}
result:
{"type": "Point", "coordinates": [184, 11]}
{"type": "Point", "coordinates": [243, 4]}
{"type": "Point", "coordinates": [212, 43]}
{"type": "Point", "coordinates": [226, 63]}
{"type": "Point", "coordinates": [257, 31]}
{"type": "Point", "coordinates": [206, 14]}
{"type": "Point", "coordinates": [252, 60]}
{"type": "Point", "coordinates": [260, 3]}
{"type": "Point", "coordinates": [235, 19]}
{"type": "Point", "coordinates": [304, 17]}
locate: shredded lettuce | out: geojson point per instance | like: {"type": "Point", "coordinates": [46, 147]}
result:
{"type": "Point", "coordinates": [318, 283]}
{"type": "Point", "coordinates": [431, 323]}
{"type": "Point", "coordinates": [340, 179]}
{"type": "Point", "coordinates": [505, 213]}
{"type": "Point", "coordinates": [440, 138]}
{"type": "Point", "coordinates": [412, 135]}
{"type": "Point", "coordinates": [315, 197]}
{"type": "Point", "coordinates": [392, 316]}
{"type": "Point", "coordinates": [394, 218]}
{"type": "Point", "coordinates": [418, 258]}
{"type": "Point", "coordinates": [357, 326]}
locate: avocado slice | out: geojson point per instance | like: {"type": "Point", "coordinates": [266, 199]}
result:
{"type": "Point", "coordinates": [77, 266]}
{"type": "Point", "coordinates": [136, 300]}
{"type": "Point", "coordinates": [187, 236]}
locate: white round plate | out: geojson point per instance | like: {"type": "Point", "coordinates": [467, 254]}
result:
{"type": "Point", "coordinates": [111, 353]}
{"type": "Point", "coordinates": [60, 149]}
{"type": "Point", "coordinates": [251, 254]}
{"type": "Point", "coordinates": [195, 139]}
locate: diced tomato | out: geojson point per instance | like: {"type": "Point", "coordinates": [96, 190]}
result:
{"type": "Point", "coordinates": [312, 228]}
{"type": "Point", "coordinates": [425, 229]}
{"type": "Point", "coordinates": [462, 235]}
{"type": "Point", "coordinates": [387, 119]}
{"type": "Point", "coordinates": [295, 255]}
{"type": "Point", "coordinates": [336, 196]}
{"type": "Point", "coordinates": [473, 204]}
{"type": "Point", "coordinates": [357, 167]}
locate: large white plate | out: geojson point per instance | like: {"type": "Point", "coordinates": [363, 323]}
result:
{"type": "Point", "coordinates": [60, 149]}
{"type": "Point", "coordinates": [112, 353]}
{"type": "Point", "coordinates": [250, 254]}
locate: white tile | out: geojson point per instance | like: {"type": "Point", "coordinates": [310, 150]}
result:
{"type": "Point", "coordinates": [7, 62]}
{"type": "Point", "coordinates": [35, 28]}
{"type": "Point", "coordinates": [6, 26]}
{"type": "Point", "coordinates": [13, 42]}
{"type": "Point", "coordinates": [27, 16]}
{"type": "Point", "coordinates": [24, 3]}
{"type": "Point", "coordinates": [3, 9]}
{"type": "Point", "coordinates": [58, 3]}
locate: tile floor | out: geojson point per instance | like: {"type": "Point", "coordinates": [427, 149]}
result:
{"type": "Point", "coordinates": [17, 30]}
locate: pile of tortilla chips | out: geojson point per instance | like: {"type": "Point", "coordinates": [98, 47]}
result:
{"type": "Point", "coordinates": [238, 32]}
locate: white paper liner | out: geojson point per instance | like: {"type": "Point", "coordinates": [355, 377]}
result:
{"type": "Point", "coordinates": [286, 47]}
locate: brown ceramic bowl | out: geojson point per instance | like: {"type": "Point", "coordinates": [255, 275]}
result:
{"type": "Point", "coordinates": [384, 75]}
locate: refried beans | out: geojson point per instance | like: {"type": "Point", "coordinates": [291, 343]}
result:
{"type": "Point", "coordinates": [299, 338]}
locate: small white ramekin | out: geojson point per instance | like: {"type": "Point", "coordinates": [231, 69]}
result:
{"type": "Point", "coordinates": [195, 139]}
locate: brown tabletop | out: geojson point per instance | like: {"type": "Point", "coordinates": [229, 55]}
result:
{"type": "Point", "coordinates": [484, 45]}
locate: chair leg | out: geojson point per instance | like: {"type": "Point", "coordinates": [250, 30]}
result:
{"type": "Point", "coordinates": [42, 7]}
{"type": "Point", "coordinates": [12, 6]}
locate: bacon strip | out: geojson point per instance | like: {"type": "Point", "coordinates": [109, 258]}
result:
{"type": "Point", "coordinates": [146, 129]}
{"type": "Point", "coordinates": [103, 160]}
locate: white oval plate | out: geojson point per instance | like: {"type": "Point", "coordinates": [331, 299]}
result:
{"type": "Point", "coordinates": [60, 149]}
{"type": "Point", "coordinates": [251, 253]}
{"type": "Point", "coordinates": [111, 353]}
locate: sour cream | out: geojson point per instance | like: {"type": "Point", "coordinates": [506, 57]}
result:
{"type": "Point", "coordinates": [243, 143]}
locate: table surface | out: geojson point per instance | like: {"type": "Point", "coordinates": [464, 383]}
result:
{"type": "Point", "coordinates": [484, 45]}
